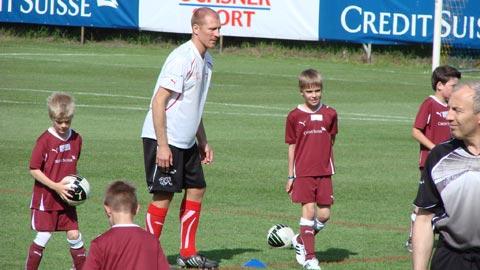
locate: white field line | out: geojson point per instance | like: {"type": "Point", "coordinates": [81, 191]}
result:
{"type": "Point", "coordinates": [211, 112]}
{"type": "Point", "coordinates": [359, 115]}
{"type": "Point", "coordinates": [64, 54]}
{"type": "Point", "coordinates": [24, 56]}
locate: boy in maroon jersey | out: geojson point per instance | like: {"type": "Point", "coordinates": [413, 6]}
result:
{"type": "Point", "coordinates": [431, 126]}
{"type": "Point", "coordinates": [55, 156]}
{"type": "Point", "coordinates": [310, 134]}
{"type": "Point", "coordinates": [125, 245]}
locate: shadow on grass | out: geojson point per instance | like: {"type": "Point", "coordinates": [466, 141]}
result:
{"type": "Point", "coordinates": [334, 255]}
{"type": "Point", "coordinates": [219, 254]}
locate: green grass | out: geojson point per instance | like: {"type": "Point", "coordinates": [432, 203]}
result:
{"type": "Point", "coordinates": [244, 117]}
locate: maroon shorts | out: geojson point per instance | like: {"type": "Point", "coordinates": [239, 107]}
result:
{"type": "Point", "coordinates": [51, 221]}
{"type": "Point", "coordinates": [313, 189]}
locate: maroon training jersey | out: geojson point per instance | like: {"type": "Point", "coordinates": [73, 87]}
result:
{"type": "Point", "coordinates": [312, 135]}
{"type": "Point", "coordinates": [56, 158]}
{"type": "Point", "coordinates": [126, 247]}
{"type": "Point", "coordinates": [431, 120]}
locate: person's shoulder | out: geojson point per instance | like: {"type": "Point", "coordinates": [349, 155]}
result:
{"type": "Point", "coordinates": [446, 147]}
{"type": "Point", "coordinates": [182, 53]}
{"type": "Point", "coordinates": [329, 108]}
{"type": "Point", "coordinates": [427, 101]}
{"type": "Point", "coordinates": [294, 112]}
{"type": "Point", "coordinates": [44, 135]}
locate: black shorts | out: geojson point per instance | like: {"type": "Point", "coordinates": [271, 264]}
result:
{"type": "Point", "coordinates": [186, 171]}
{"type": "Point", "coordinates": [446, 258]}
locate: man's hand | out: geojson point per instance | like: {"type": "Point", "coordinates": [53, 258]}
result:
{"type": "Point", "coordinates": [164, 157]}
{"type": "Point", "coordinates": [206, 154]}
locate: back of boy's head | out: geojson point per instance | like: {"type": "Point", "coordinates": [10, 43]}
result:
{"type": "Point", "coordinates": [120, 197]}
{"type": "Point", "coordinates": [60, 106]}
{"type": "Point", "coordinates": [443, 74]}
{"type": "Point", "coordinates": [310, 79]}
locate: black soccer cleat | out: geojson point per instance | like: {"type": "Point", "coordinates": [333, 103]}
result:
{"type": "Point", "coordinates": [196, 261]}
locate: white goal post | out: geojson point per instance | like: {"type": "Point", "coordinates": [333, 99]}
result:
{"type": "Point", "coordinates": [437, 34]}
{"type": "Point", "coordinates": [456, 35]}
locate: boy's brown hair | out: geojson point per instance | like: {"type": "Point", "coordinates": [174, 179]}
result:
{"type": "Point", "coordinates": [120, 197]}
{"type": "Point", "coordinates": [310, 79]}
{"type": "Point", "coordinates": [444, 74]}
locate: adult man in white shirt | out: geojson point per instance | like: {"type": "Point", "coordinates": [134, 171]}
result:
{"type": "Point", "coordinates": [174, 139]}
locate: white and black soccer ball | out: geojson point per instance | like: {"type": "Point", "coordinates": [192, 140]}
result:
{"type": "Point", "coordinates": [79, 189]}
{"type": "Point", "coordinates": [280, 236]}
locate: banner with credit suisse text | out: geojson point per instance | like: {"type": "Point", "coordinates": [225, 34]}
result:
{"type": "Point", "coordinates": [280, 19]}
{"type": "Point", "coordinates": [95, 13]}
{"type": "Point", "coordinates": [399, 21]}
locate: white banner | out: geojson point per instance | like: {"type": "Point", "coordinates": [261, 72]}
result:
{"type": "Point", "coordinates": [280, 19]}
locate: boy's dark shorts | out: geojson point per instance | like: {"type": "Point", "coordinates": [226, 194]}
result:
{"type": "Point", "coordinates": [186, 171]}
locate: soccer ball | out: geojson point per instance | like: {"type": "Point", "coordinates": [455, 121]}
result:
{"type": "Point", "coordinates": [280, 236]}
{"type": "Point", "coordinates": [80, 189]}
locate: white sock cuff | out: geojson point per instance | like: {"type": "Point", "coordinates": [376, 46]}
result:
{"type": "Point", "coordinates": [306, 222]}
{"type": "Point", "coordinates": [42, 238]}
{"type": "Point", "coordinates": [319, 225]}
{"type": "Point", "coordinates": [76, 243]}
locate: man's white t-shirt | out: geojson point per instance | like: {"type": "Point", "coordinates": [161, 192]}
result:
{"type": "Point", "coordinates": [188, 75]}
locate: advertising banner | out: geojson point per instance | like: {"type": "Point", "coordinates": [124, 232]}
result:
{"type": "Point", "coordinates": [280, 19]}
{"type": "Point", "coordinates": [94, 13]}
{"type": "Point", "coordinates": [399, 21]}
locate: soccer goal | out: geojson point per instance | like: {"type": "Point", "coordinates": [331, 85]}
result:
{"type": "Point", "coordinates": [456, 35]}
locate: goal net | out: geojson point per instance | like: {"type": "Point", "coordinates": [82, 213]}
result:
{"type": "Point", "coordinates": [458, 34]}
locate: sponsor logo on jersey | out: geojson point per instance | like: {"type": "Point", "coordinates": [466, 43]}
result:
{"type": "Point", "coordinates": [316, 117]}
{"type": "Point", "coordinates": [442, 114]}
{"type": "Point", "coordinates": [315, 131]}
{"type": "Point", "coordinates": [303, 123]}
{"type": "Point", "coordinates": [64, 147]}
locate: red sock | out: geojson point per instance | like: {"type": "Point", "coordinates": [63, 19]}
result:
{"type": "Point", "coordinates": [155, 219]}
{"type": "Point", "coordinates": [78, 257]}
{"type": "Point", "coordinates": [189, 224]}
{"type": "Point", "coordinates": [307, 233]}
{"type": "Point", "coordinates": [35, 254]}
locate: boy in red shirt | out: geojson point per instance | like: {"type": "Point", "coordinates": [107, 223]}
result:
{"type": "Point", "coordinates": [310, 134]}
{"type": "Point", "coordinates": [55, 156]}
{"type": "Point", "coordinates": [125, 245]}
{"type": "Point", "coordinates": [431, 126]}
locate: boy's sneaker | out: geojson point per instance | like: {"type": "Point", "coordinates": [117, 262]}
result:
{"type": "Point", "coordinates": [197, 261]}
{"type": "Point", "coordinates": [408, 244]}
{"type": "Point", "coordinates": [311, 264]}
{"type": "Point", "coordinates": [300, 252]}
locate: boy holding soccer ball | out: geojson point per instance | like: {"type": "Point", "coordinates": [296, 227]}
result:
{"type": "Point", "coordinates": [54, 157]}
{"type": "Point", "coordinates": [125, 245]}
{"type": "Point", "coordinates": [310, 134]}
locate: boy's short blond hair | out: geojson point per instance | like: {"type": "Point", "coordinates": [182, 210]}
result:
{"type": "Point", "coordinates": [310, 79]}
{"type": "Point", "coordinates": [120, 196]}
{"type": "Point", "coordinates": [60, 106]}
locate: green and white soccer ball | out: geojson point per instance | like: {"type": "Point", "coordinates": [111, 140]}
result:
{"type": "Point", "coordinates": [280, 236]}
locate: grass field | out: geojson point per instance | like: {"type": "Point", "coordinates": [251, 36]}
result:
{"type": "Point", "coordinates": [244, 117]}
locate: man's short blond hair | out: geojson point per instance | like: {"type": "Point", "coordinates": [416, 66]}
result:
{"type": "Point", "coordinates": [310, 79]}
{"type": "Point", "coordinates": [199, 15]}
{"type": "Point", "coordinates": [60, 106]}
